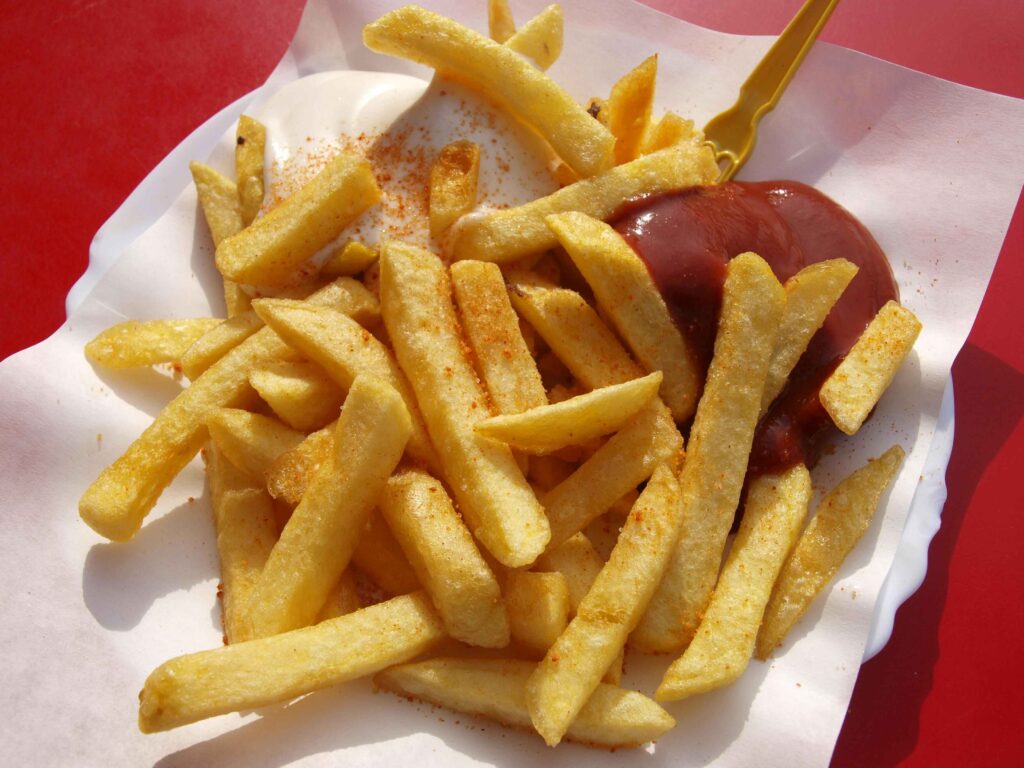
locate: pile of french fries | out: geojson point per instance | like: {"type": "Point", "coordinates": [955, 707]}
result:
{"type": "Point", "coordinates": [412, 454]}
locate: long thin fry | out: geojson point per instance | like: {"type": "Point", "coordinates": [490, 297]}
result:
{"type": "Point", "coordinates": [500, 24]}
{"type": "Point", "coordinates": [250, 142]}
{"type": "Point", "coordinates": [217, 342]}
{"type": "Point", "coordinates": [134, 344]}
{"type": "Point", "coordinates": [629, 108]}
{"type": "Point", "coordinates": [250, 441]}
{"type": "Point", "coordinates": [540, 39]}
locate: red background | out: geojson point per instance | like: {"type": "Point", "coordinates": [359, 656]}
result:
{"type": "Point", "coordinates": [97, 93]}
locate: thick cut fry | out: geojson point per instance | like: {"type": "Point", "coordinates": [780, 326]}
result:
{"type": "Point", "coordinates": [447, 562]}
{"type": "Point", "coordinates": [345, 350]}
{"type": "Point", "coordinates": [492, 327]}
{"type": "Point", "coordinates": [578, 562]}
{"type": "Point", "coordinates": [538, 608]}
{"type": "Point", "coordinates": [218, 197]}
{"type": "Point", "coordinates": [716, 459]}
{"type": "Point", "coordinates": [504, 236]}
{"type": "Point", "coordinates": [243, 515]}
{"type": "Point", "coordinates": [291, 472]}
{"type": "Point", "coordinates": [350, 259]}
{"type": "Point", "coordinates": [629, 109]}
{"type": "Point", "coordinates": [379, 556]}
{"type": "Point", "coordinates": [495, 499]}
{"type": "Point", "coordinates": [317, 543]}
{"type": "Point", "coordinates": [670, 130]}
{"type": "Point", "coordinates": [505, 76]}
{"type": "Point", "coordinates": [496, 689]}
{"type": "Point", "coordinates": [342, 600]}
{"type": "Point", "coordinates": [453, 181]}
{"type": "Point", "coordinates": [250, 143]}
{"type": "Point", "coordinates": [276, 669]}
{"type": "Point", "coordinates": [810, 295]}
{"type": "Point", "coordinates": [273, 249]}
{"type": "Point", "coordinates": [773, 515]}
{"type": "Point", "coordinates": [217, 342]}
{"type": "Point", "coordinates": [841, 519]}
{"type": "Point", "coordinates": [250, 441]}
{"type": "Point", "coordinates": [572, 669]}
{"type": "Point", "coordinates": [626, 293]}
{"type": "Point", "coordinates": [540, 39]}
{"type": "Point", "coordinates": [573, 421]}
{"type": "Point", "coordinates": [853, 389]}
{"type": "Point", "coordinates": [500, 24]}
{"type": "Point", "coordinates": [135, 344]}
{"type": "Point", "coordinates": [301, 394]}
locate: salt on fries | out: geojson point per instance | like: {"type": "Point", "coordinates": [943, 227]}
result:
{"type": "Point", "coordinates": [498, 418]}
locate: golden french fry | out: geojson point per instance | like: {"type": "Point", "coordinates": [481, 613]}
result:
{"type": "Point", "coordinates": [505, 76]}
{"type": "Point", "coordinates": [274, 248]}
{"type": "Point", "coordinates": [250, 143]}
{"type": "Point", "coordinates": [217, 342]}
{"type": "Point", "coordinates": [236, 300]}
{"type": "Point", "coordinates": [598, 109]}
{"type": "Point", "coordinates": [853, 389]}
{"type": "Point", "coordinates": [507, 235]}
{"type": "Point", "coordinates": [670, 130]}
{"type": "Point", "coordinates": [136, 344]}
{"type": "Point", "coordinates": [342, 600]}
{"type": "Point", "coordinates": [810, 295]}
{"type": "Point", "coordinates": [626, 292]}
{"type": "Point", "coordinates": [379, 556]}
{"type": "Point", "coordinates": [712, 476]}
{"type": "Point", "coordinates": [492, 328]}
{"type": "Point", "coordinates": [250, 441]}
{"type": "Point", "coordinates": [573, 667]}
{"type": "Point", "coordinates": [496, 689]}
{"type": "Point", "coordinates": [841, 519]}
{"type": "Point", "coordinates": [773, 515]}
{"type": "Point", "coordinates": [540, 39]}
{"type": "Point", "coordinates": [301, 394]}
{"type": "Point", "coordinates": [573, 421]}
{"type": "Point", "coordinates": [453, 181]}
{"type": "Point", "coordinates": [291, 472]}
{"type": "Point", "coordinates": [500, 24]}
{"type": "Point", "coordinates": [629, 109]}
{"type": "Point", "coordinates": [317, 543]}
{"type": "Point", "coordinates": [441, 550]}
{"type": "Point", "coordinates": [350, 259]}
{"type": "Point", "coordinates": [493, 496]}
{"type": "Point", "coordinates": [345, 350]}
{"type": "Point", "coordinates": [218, 197]}
{"type": "Point", "coordinates": [538, 608]}
{"type": "Point", "coordinates": [578, 562]}
{"type": "Point", "coordinates": [243, 515]}
{"type": "Point", "coordinates": [280, 668]}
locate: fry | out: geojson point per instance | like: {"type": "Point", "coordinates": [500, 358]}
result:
{"type": "Point", "coordinates": [578, 562]}
{"type": "Point", "coordinates": [243, 515]}
{"type": "Point", "coordinates": [301, 394]}
{"type": "Point", "coordinates": [453, 182]}
{"type": "Point", "coordinates": [250, 141]}
{"type": "Point", "coordinates": [573, 421]}
{"type": "Point", "coordinates": [853, 389]}
{"type": "Point", "coordinates": [350, 259]}
{"type": "Point", "coordinates": [841, 519]}
{"type": "Point", "coordinates": [496, 689]}
{"type": "Point", "coordinates": [670, 130]}
{"type": "Point", "coordinates": [250, 441]}
{"type": "Point", "coordinates": [540, 39]}
{"type": "Point", "coordinates": [626, 293]}
{"type": "Point", "coordinates": [629, 109]}
{"type": "Point", "coordinates": [317, 543]}
{"type": "Point", "coordinates": [712, 476]}
{"type": "Point", "coordinates": [810, 295]}
{"type": "Point", "coordinates": [379, 556]}
{"type": "Point", "coordinates": [538, 608]}
{"type": "Point", "coordinates": [272, 249]}
{"type": "Point", "coordinates": [342, 600]}
{"type": "Point", "coordinates": [290, 473]}
{"type": "Point", "coordinates": [492, 328]}
{"type": "Point", "coordinates": [505, 76]}
{"type": "Point", "coordinates": [345, 350]}
{"type": "Point", "coordinates": [447, 562]}
{"type": "Point", "coordinates": [217, 342]}
{"type": "Point", "coordinates": [493, 496]}
{"type": "Point", "coordinates": [136, 344]}
{"type": "Point", "coordinates": [275, 669]}
{"type": "Point", "coordinates": [218, 197]}
{"type": "Point", "coordinates": [504, 236]}
{"type": "Point", "coordinates": [572, 669]}
{"type": "Point", "coordinates": [775, 509]}
{"type": "Point", "coordinates": [500, 24]}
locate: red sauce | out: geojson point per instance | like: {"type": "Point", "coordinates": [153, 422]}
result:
{"type": "Point", "coordinates": [686, 238]}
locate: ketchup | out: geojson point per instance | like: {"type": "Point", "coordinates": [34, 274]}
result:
{"type": "Point", "coordinates": [686, 239]}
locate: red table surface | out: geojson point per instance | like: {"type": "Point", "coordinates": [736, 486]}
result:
{"type": "Point", "coordinates": [97, 93]}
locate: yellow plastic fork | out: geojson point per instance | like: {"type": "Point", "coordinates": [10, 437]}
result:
{"type": "Point", "coordinates": [733, 133]}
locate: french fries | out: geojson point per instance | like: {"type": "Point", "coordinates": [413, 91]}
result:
{"type": "Point", "coordinates": [318, 541]}
{"type": "Point", "coordinates": [301, 394]}
{"type": "Point", "coordinates": [670, 130]}
{"type": "Point", "coordinates": [379, 556]}
{"type": "Point", "coordinates": [540, 39]}
{"type": "Point", "coordinates": [291, 471]}
{"type": "Point", "coordinates": [217, 342]}
{"type": "Point", "coordinates": [350, 259]}
{"type": "Point", "coordinates": [538, 608]}
{"type": "Point", "coordinates": [453, 181]}
{"type": "Point", "coordinates": [629, 109]}
{"type": "Point", "coordinates": [250, 441]}
{"type": "Point", "coordinates": [218, 197]}
{"type": "Point", "coordinates": [500, 24]}
{"type": "Point", "coordinates": [134, 344]}
{"type": "Point", "coordinates": [250, 141]}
